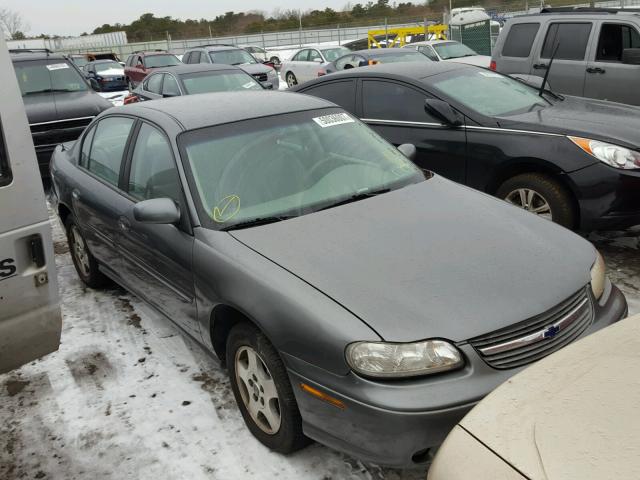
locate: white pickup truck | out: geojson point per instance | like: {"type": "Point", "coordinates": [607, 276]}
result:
{"type": "Point", "coordinates": [30, 318]}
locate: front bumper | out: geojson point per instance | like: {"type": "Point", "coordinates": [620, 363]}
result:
{"type": "Point", "coordinates": [609, 198]}
{"type": "Point", "coordinates": [395, 423]}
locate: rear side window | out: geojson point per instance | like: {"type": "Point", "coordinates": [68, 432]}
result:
{"type": "Point", "coordinates": [154, 84]}
{"type": "Point", "coordinates": [5, 170]}
{"type": "Point", "coordinates": [341, 93]}
{"type": "Point", "coordinates": [350, 61]}
{"type": "Point", "coordinates": [107, 148]}
{"type": "Point", "coordinates": [195, 57]}
{"type": "Point", "coordinates": [186, 57]}
{"type": "Point", "coordinates": [393, 101]}
{"type": "Point", "coordinates": [571, 39]}
{"type": "Point", "coordinates": [520, 40]}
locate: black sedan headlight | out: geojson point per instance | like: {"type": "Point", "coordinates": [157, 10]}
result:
{"type": "Point", "coordinates": [613, 155]}
{"type": "Point", "coordinates": [401, 360]}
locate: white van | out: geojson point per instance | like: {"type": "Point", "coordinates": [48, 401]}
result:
{"type": "Point", "coordinates": [30, 318]}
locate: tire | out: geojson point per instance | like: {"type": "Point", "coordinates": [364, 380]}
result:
{"type": "Point", "coordinates": [291, 79]}
{"type": "Point", "coordinates": [529, 190]}
{"type": "Point", "coordinates": [85, 263]}
{"type": "Point", "coordinates": [275, 60]}
{"type": "Point", "coordinates": [287, 437]}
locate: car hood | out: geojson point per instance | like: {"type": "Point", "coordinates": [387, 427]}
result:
{"type": "Point", "coordinates": [112, 72]}
{"type": "Point", "coordinates": [572, 415]}
{"type": "Point", "coordinates": [434, 259]}
{"type": "Point", "coordinates": [49, 107]}
{"type": "Point", "coordinates": [253, 68]}
{"type": "Point", "coordinates": [477, 60]}
{"type": "Point", "coordinates": [596, 119]}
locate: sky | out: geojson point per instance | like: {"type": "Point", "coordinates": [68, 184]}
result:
{"type": "Point", "coordinates": [72, 17]}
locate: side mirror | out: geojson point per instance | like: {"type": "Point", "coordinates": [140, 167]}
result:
{"type": "Point", "coordinates": [443, 111]}
{"type": "Point", "coordinates": [317, 60]}
{"type": "Point", "coordinates": [631, 56]}
{"type": "Point", "coordinates": [408, 150]}
{"type": "Point", "coordinates": [94, 84]}
{"type": "Point", "coordinates": [157, 210]}
{"type": "Point", "coordinates": [267, 85]}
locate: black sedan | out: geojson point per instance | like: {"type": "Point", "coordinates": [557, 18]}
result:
{"type": "Point", "coordinates": [192, 79]}
{"type": "Point", "coordinates": [363, 58]}
{"type": "Point", "coordinates": [108, 74]}
{"type": "Point", "coordinates": [572, 160]}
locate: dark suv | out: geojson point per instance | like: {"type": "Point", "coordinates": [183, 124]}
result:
{"type": "Point", "coordinates": [139, 64]}
{"type": "Point", "coordinates": [59, 101]}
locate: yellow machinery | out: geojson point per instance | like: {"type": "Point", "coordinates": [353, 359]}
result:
{"type": "Point", "coordinates": [397, 37]}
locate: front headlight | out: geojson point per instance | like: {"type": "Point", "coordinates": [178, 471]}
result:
{"type": "Point", "coordinates": [598, 276]}
{"type": "Point", "coordinates": [613, 155]}
{"type": "Point", "coordinates": [399, 360]}
{"type": "Point", "coordinates": [271, 72]}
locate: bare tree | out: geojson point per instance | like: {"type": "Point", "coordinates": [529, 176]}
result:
{"type": "Point", "coordinates": [12, 22]}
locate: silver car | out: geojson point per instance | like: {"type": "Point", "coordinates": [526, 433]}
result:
{"type": "Point", "coordinates": [309, 62]}
{"type": "Point", "coordinates": [450, 50]}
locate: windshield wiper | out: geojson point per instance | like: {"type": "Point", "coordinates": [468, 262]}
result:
{"type": "Point", "coordinates": [256, 221]}
{"type": "Point", "coordinates": [49, 90]}
{"type": "Point", "coordinates": [355, 198]}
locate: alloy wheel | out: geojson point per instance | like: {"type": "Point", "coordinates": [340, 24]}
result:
{"type": "Point", "coordinates": [531, 201]}
{"type": "Point", "coordinates": [79, 251]}
{"type": "Point", "coordinates": [258, 390]}
{"type": "Point", "coordinates": [291, 80]}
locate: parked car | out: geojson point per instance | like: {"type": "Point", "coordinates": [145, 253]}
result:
{"type": "Point", "coordinates": [365, 58]}
{"type": "Point", "coordinates": [30, 318]}
{"type": "Point", "coordinates": [309, 63]}
{"type": "Point", "coordinates": [230, 55]}
{"type": "Point", "coordinates": [355, 299]}
{"type": "Point", "coordinates": [109, 75]}
{"type": "Point", "coordinates": [140, 64]}
{"type": "Point", "coordinates": [573, 415]}
{"type": "Point", "coordinates": [598, 54]}
{"type": "Point", "coordinates": [258, 52]}
{"type": "Point", "coordinates": [81, 59]}
{"type": "Point", "coordinates": [571, 160]}
{"type": "Point", "coordinates": [449, 50]}
{"type": "Point", "coordinates": [193, 79]}
{"type": "Point", "coordinates": [57, 97]}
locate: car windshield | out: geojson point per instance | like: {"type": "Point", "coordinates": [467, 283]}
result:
{"type": "Point", "coordinates": [157, 61]}
{"type": "Point", "coordinates": [453, 50]}
{"type": "Point", "coordinates": [232, 57]}
{"type": "Point", "coordinates": [206, 82]}
{"type": "Point", "coordinates": [289, 165]}
{"type": "Point", "coordinates": [488, 93]}
{"type": "Point", "coordinates": [42, 76]}
{"type": "Point", "coordinates": [80, 61]}
{"type": "Point", "coordinates": [332, 54]}
{"type": "Point", "coordinates": [106, 66]}
{"type": "Point", "coordinates": [399, 56]}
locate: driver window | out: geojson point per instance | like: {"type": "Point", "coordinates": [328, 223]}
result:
{"type": "Point", "coordinates": [301, 56]}
{"type": "Point", "coordinates": [153, 169]}
{"type": "Point", "coordinates": [350, 61]}
{"type": "Point", "coordinates": [314, 55]}
{"type": "Point", "coordinates": [614, 38]}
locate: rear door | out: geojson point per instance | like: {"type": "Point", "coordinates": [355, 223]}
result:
{"type": "Point", "coordinates": [571, 38]}
{"type": "Point", "coordinates": [607, 77]}
{"type": "Point", "coordinates": [396, 111]}
{"type": "Point", "coordinates": [157, 258]}
{"type": "Point", "coordinates": [30, 318]}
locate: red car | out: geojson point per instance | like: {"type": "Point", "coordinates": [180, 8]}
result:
{"type": "Point", "coordinates": [139, 64]}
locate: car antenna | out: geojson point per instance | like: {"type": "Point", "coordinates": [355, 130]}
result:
{"type": "Point", "coordinates": [546, 74]}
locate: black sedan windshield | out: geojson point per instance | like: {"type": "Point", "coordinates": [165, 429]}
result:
{"type": "Point", "coordinates": [260, 170]}
{"type": "Point", "coordinates": [449, 50]}
{"type": "Point", "coordinates": [488, 93]}
{"type": "Point", "coordinates": [42, 76]}
{"type": "Point", "coordinates": [225, 81]}
{"type": "Point", "coordinates": [399, 56]}
{"type": "Point", "coordinates": [232, 57]}
{"type": "Point", "coordinates": [113, 68]}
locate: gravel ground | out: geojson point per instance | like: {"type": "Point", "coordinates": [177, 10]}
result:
{"type": "Point", "coordinates": [128, 396]}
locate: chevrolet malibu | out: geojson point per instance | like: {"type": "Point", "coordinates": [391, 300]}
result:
{"type": "Point", "coordinates": [355, 299]}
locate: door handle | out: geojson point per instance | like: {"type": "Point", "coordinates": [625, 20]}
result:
{"type": "Point", "coordinates": [124, 224]}
{"type": "Point", "coordinates": [75, 195]}
{"type": "Point", "coordinates": [595, 70]}
{"type": "Point", "coordinates": [540, 66]}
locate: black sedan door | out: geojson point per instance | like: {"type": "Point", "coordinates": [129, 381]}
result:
{"type": "Point", "coordinates": [396, 111]}
{"type": "Point", "coordinates": [157, 258]}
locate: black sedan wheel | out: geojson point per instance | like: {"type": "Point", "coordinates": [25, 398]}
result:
{"type": "Point", "coordinates": [292, 81]}
{"type": "Point", "coordinates": [85, 263]}
{"type": "Point", "coordinates": [541, 195]}
{"type": "Point", "coordinates": [262, 390]}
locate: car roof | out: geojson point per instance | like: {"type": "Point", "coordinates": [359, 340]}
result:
{"type": "Point", "coordinates": [210, 109]}
{"type": "Point", "coordinates": [579, 12]}
{"type": "Point", "coordinates": [430, 42]}
{"type": "Point", "coordinates": [196, 67]}
{"type": "Point", "coordinates": [380, 52]}
{"type": "Point", "coordinates": [103, 60]}
{"type": "Point", "coordinates": [18, 56]}
{"type": "Point", "coordinates": [218, 48]}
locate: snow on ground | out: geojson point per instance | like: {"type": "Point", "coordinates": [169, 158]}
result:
{"type": "Point", "coordinates": [127, 396]}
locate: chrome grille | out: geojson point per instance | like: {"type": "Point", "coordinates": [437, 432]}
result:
{"type": "Point", "coordinates": [59, 131]}
{"type": "Point", "coordinates": [539, 336]}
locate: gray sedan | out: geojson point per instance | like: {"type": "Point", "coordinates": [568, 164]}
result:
{"type": "Point", "coordinates": [355, 299]}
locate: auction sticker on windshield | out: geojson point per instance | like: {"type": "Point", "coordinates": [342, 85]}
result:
{"type": "Point", "coordinates": [332, 120]}
{"type": "Point", "coordinates": [490, 75]}
{"type": "Point", "coordinates": [57, 66]}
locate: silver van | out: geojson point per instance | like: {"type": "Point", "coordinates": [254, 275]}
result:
{"type": "Point", "coordinates": [30, 318]}
{"type": "Point", "coordinates": [598, 51]}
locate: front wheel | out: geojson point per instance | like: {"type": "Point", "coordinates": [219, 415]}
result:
{"type": "Point", "coordinates": [262, 390]}
{"type": "Point", "coordinates": [291, 79]}
{"type": "Point", "coordinates": [540, 194]}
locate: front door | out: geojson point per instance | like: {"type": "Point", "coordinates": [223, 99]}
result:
{"type": "Point", "coordinates": [607, 77]}
{"type": "Point", "coordinates": [396, 111]}
{"type": "Point", "coordinates": [570, 42]}
{"type": "Point", "coordinates": [157, 258]}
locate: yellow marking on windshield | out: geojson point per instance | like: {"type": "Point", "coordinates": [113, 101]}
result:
{"type": "Point", "coordinates": [226, 209]}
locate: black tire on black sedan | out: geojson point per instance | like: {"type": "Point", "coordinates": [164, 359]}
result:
{"type": "Point", "coordinates": [540, 194]}
{"type": "Point", "coordinates": [262, 390]}
{"type": "Point", "coordinates": [85, 263]}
